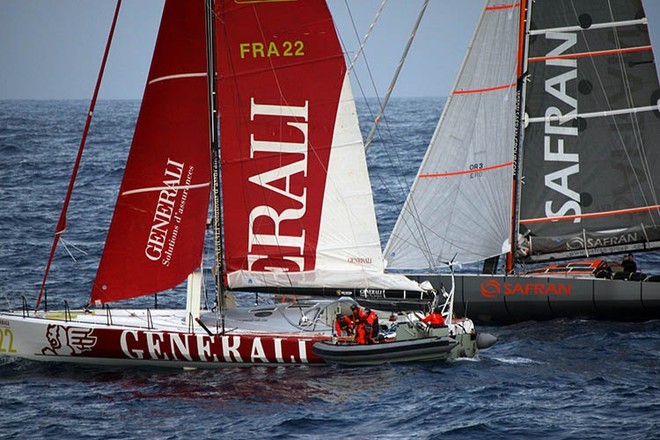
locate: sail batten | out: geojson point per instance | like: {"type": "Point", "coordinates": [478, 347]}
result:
{"type": "Point", "coordinates": [179, 76]}
{"type": "Point", "coordinates": [597, 53]}
{"type": "Point", "coordinates": [590, 215]}
{"type": "Point", "coordinates": [601, 114]}
{"type": "Point", "coordinates": [606, 25]}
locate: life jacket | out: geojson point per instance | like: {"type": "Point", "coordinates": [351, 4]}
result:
{"type": "Point", "coordinates": [372, 322]}
{"type": "Point", "coordinates": [361, 333]}
{"type": "Point", "coordinates": [434, 320]}
{"type": "Point", "coordinates": [343, 326]}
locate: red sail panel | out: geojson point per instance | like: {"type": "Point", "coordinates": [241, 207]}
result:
{"type": "Point", "coordinates": [156, 236]}
{"type": "Point", "coordinates": [281, 70]}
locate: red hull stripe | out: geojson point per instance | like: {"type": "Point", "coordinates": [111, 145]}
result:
{"type": "Point", "coordinates": [488, 89]}
{"type": "Point", "coordinates": [501, 7]}
{"type": "Point", "coordinates": [592, 54]}
{"type": "Point", "coordinates": [590, 215]}
{"type": "Point", "coordinates": [460, 173]}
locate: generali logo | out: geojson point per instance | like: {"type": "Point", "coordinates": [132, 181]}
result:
{"type": "Point", "coordinates": [494, 288]}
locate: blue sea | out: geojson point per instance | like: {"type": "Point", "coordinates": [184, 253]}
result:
{"type": "Point", "coordinates": [561, 379]}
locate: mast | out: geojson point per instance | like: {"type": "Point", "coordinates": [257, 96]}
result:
{"type": "Point", "coordinates": [215, 160]}
{"type": "Point", "coordinates": [525, 15]}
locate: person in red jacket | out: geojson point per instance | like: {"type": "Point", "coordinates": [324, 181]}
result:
{"type": "Point", "coordinates": [435, 319]}
{"type": "Point", "coordinates": [357, 314]}
{"type": "Point", "coordinates": [343, 325]}
{"type": "Point", "coordinates": [372, 326]}
{"type": "Point", "coordinates": [359, 319]}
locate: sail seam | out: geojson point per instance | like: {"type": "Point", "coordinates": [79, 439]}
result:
{"type": "Point", "coordinates": [608, 25]}
{"type": "Point", "coordinates": [459, 173]}
{"type": "Point", "coordinates": [592, 54]}
{"type": "Point", "coordinates": [165, 188]}
{"type": "Point", "coordinates": [590, 215]}
{"type": "Point", "coordinates": [178, 76]}
{"type": "Point", "coordinates": [484, 90]}
{"type": "Point", "coordinates": [605, 113]}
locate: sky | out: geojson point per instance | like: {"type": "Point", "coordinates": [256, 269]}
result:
{"type": "Point", "coordinates": [52, 49]}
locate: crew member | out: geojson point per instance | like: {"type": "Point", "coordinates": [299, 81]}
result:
{"type": "Point", "coordinates": [343, 325]}
{"type": "Point", "coordinates": [357, 314]}
{"type": "Point", "coordinates": [359, 319]}
{"type": "Point", "coordinates": [435, 319]}
{"type": "Point", "coordinates": [629, 265]}
{"type": "Point", "coordinates": [372, 325]}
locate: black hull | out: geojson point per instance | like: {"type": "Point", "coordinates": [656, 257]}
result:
{"type": "Point", "coordinates": [496, 299]}
{"type": "Point", "coordinates": [426, 349]}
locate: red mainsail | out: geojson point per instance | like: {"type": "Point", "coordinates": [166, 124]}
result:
{"type": "Point", "coordinates": [280, 76]}
{"type": "Point", "coordinates": [156, 236]}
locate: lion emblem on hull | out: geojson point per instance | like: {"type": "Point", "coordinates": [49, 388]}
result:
{"type": "Point", "coordinates": [68, 341]}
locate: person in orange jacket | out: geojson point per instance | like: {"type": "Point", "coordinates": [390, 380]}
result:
{"type": "Point", "coordinates": [372, 324]}
{"type": "Point", "coordinates": [435, 319]}
{"type": "Point", "coordinates": [343, 325]}
{"type": "Point", "coordinates": [357, 314]}
{"type": "Point", "coordinates": [359, 319]}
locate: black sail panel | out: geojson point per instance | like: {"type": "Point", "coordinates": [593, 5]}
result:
{"type": "Point", "coordinates": [590, 145]}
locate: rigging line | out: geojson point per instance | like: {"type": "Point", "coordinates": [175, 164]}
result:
{"type": "Point", "coordinates": [61, 224]}
{"type": "Point", "coordinates": [68, 251]}
{"type": "Point", "coordinates": [366, 36]}
{"type": "Point", "coordinates": [371, 112]}
{"type": "Point", "coordinates": [399, 178]}
{"type": "Point", "coordinates": [357, 36]}
{"type": "Point", "coordinates": [396, 75]}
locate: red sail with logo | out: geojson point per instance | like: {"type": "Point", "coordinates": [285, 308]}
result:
{"type": "Point", "coordinates": [297, 200]}
{"type": "Point", "coordinates": [281, 73]}
{"type": "Point", "coordinates": [157, 232]}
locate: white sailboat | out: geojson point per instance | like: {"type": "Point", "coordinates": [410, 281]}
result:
{"type": "Point", "coordinates": [544, 151]}
{"type": "Point", "coordinates": [290, 195]}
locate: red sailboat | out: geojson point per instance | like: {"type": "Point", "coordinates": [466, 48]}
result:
{"type": "Point", "coordinates": [247, 109]}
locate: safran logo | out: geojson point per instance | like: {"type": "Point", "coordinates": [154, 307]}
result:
{"type": "Point", "coordinates": [490, 288]}
{"type": "Point", "coordinates": [493, 288]}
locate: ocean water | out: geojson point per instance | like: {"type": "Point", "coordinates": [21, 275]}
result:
{"type": "Point", "coordinates": [561, 379]}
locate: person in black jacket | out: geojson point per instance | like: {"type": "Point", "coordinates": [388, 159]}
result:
{"type": "Point", "coordinates": [629, 265]}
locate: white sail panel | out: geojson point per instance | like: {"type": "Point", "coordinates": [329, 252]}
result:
{"type": "Point", "coordinates": [460, 203]}
{"type": "Point", "coordinates": [348, 237]}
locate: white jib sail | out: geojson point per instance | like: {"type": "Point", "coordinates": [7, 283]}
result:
{"type": "Point", "coordinates": [460, 203]}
